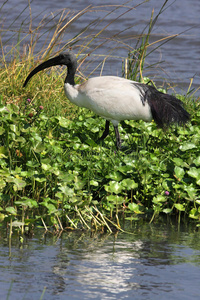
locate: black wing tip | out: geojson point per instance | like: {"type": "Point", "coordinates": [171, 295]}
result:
{"type": "Point", "coordinates": [166, 109]}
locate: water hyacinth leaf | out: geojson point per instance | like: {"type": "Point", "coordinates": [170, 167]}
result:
{"type": "Point", "coordinates": [191, 191]}
{"type": "Point", "coordinates": [40, 178]}
{"type": "Point", "coordinates": [126, 169]}
{"type": "Point", "coordinates": [197, 161]}
{"type": "Point", "coordinates": [84, 147]}
{"type": "Point", "coordinates": [115, 176]}
{"type": "Point", "coordinates": [179, 206]}
{"type": "Point", "coordinates": [187, 146]}
{"type": "Point", "coordinates": [27, 202]}
{"type": "Point", "coordinates": [194, 172]}
{"type": "Point", "coordinates": [46, 167]}
{"type": "Point", "coordinates": [11, 210]}
{"type": "Point", "coordinates": [179, 162]}
{"type": "Point", "coordinates": [115, 198]}
{"type": "Point", "coordinates": [64, 122]}
{"type": "Point", "coordinates": [20, 139]}
{"type": "Point", "coordinates": [67, 191]}
{"type": "Point", "coordinates": [159, 199]}
{"type": "Point", "coordinates": [32, 164]}
{"type": "Point", "coordinates": [135, 208]}
{"type": "Point", "coordinates": [129, 183]}
{"type": "Point", "coordinates": [179, 172]}
{"type": "Point", "coordinates": [167, 210]}
{"type": "Point", "coordinates": [19, 184]}
{"type": "Point", "coordinates": [14, 128]}
{"type": "Point", "coordinates": [94, 182]}
{"type": "Point", "coordinates": [76, 146]}
{"type": "Point", "coordinates": [194, 214]}
{"type": "Point", "coordinates": [36, 137]}
{"type": "Point", "coordinates": [114, 187]}
{"type": "Point", "coordinates": [51, 208]}
{"type": "Point", "coordinates": [38, 148]}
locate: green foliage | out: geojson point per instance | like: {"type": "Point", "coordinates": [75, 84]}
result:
{"type": "Point", "coordinates": [52, 168]}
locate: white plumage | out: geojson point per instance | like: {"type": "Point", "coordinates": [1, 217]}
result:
{"type": "Point", "coordinates": [102, 95]}
{"type": "Point", "coordinates": [117, 99]}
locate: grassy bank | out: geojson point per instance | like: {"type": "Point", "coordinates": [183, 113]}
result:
{"type": "Point", "coordinates": [55, 174]}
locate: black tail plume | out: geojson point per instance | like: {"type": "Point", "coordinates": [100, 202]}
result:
{"type": "Point", "coordinates": [165, 108]}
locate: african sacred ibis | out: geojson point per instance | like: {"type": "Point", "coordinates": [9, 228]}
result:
{"type": "Point", "coordinates": [117, 99]}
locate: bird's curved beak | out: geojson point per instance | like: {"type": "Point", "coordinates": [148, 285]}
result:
{"type": "Point", "coordinates": [49, 63]}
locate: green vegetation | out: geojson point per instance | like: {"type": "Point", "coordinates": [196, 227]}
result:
{"type": "Point", "coordinates": [54, 173]}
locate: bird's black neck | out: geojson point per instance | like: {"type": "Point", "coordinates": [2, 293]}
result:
{"type": "Point", "coordinates": [71, 70]}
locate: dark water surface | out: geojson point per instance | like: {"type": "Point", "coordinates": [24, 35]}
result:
{"type": "Point", "coordinates": [180, 57]}
{"type": "Point", "coordinates": [153, 262]}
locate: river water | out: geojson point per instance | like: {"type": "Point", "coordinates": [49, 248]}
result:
{"type": "Point", "coordinates": [160, 261]}
{"type": "Point", "coordinates": [178, 59]}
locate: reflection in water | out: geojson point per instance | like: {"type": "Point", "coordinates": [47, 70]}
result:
{"type": "Point", "coordinates": [152, 263]}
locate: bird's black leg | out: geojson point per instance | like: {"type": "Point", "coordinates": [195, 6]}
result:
{"type": "Point", "coordinates": [118, 139]}
{"type": "Point", "coordinates": [106, 131]}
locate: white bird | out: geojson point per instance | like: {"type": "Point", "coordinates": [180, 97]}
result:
{"type": "Point", "coordinates": [116, 99]}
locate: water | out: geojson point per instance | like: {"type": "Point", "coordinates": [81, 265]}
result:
{"type": "Point", "coordinates": [179, 59]}
{"type": "Point", "coordinates": [154, 262]}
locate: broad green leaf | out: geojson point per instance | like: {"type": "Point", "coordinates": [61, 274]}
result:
{"type": "Point", "coordinates": [67, 191]}
{"type": "Point", "coordinates": [11, 210]}
{"type": "Point", "coordinates": [178, 161]}
{"type": "Point", "coordinates": [194, 172]}
{"type": "Point", "coordinates": [135, 207]}
{"type": "Point", "coordinates": [46, 167]}
{"type": "Point", "coordinates": [159, 199]}
{"type": "Point", "coordinates": [40, 178]}
{"type": "Point", "coordinates": [179, 172]}
{"type": "Point", "coordinates": [179, 206]}
{"type": "Point", "coordinates": [115, 198]}
{"type": "Point", "coordinates": [129, 183]}
{"type": "Point", "coordinates": [187, 146]}
{"type": "Point", "coordinates": [167, 210]}
{"type": "Point", "coordinates": [197, 161]}
{"type": "Point", "coordinates": [14, 128]}
{"type": "Point", "coordinates": [19, 184]}
{"type": "Point", "coordinates": [191, 191]}
{"type": "Point", "coordinates": [194, 214]}
{"type": "Point", "coordinates": [116, 176]}
{"type": "Point", "coordinates": [64, 122]}
{"type": "Point", "coordinates": [114, 187]}
{"type": "Point", "coordinates": [51, 208]}
{"type": "Point", "coordinates": [94, 182]}
{"type": "Point", "coordinates": [27, 202]}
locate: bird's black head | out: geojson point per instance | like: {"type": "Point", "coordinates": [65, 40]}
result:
{"type": "Point", "coordinates": [68, 59]}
